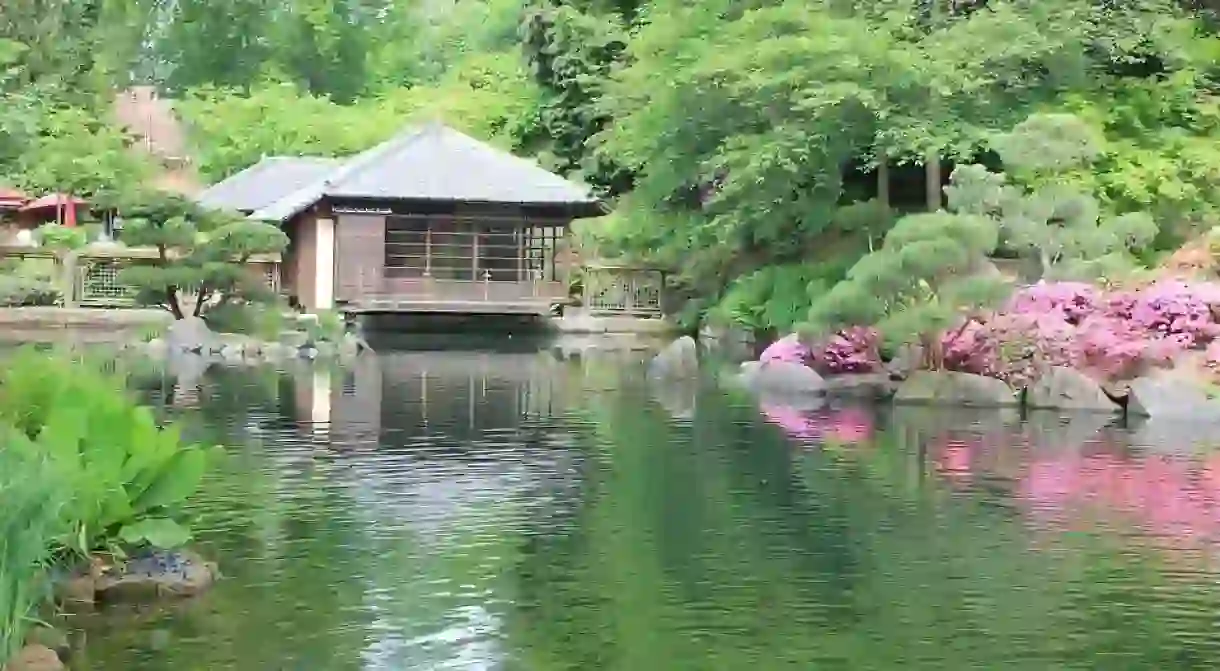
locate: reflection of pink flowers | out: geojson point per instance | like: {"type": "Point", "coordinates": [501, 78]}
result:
{"type": "Point", "coordinates": [1166, 496]}
{"type": "Point", "coordinates": [955, 459]}
{"type": "Point", "coordinates": [1172, 498]}
{"type": "Point", "coordinates": [847, 425]}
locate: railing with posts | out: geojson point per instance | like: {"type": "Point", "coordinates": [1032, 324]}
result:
{"type": "Point", "coordinates": [424, 292]}
{"type": "Point", "coordinates": [91, 277]}
{"type": "Point", "coordinates": [622, 290]}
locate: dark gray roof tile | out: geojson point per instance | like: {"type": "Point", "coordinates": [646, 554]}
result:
{"type": "Point", "coordinates": [266, 182]}
{"type": "Point", "coordinates": [435, 163]}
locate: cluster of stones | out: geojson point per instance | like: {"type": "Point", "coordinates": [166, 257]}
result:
{"type": "Point", "coordinates": [149, 576]}
{"type": "Point", "coordinates": [192, 337]}
{"type": "Point", "coordinates": [1164, 394]}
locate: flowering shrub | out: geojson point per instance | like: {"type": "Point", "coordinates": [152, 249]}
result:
{"type": "Point", "coordinates": [854, 350]}
{"type": "Point", "coordinates": [1171, 309]}
{"type": "Point", "coordinates": [788, 349]}
{"type": "Point", "coordinates": [1013, 347]}
{"type": "Point", "coordinates": [1115, 348]}
{"type": "Point", "coordinates": [850, 351]}
{"type": "Point", "coordinates": [1110, 335]}
{"type": "Point", "coordinates": [1118, 335]}
{"type": "Point", "coordinates": [1075, 300]}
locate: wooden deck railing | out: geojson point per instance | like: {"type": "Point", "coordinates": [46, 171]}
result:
{"type": "Point", "coordinates": [374, 292]}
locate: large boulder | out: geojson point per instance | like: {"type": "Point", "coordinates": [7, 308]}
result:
{"type": "Point", "coordinates": [157, 574]}
{"type": "Point", "coordinates": [191, 335]}
{"type": "Point", "coordinates": [781, 377]}
{"type": "Point", "coordinates": [928, 387]}
{"type": "Point", "coordinates": [1167, 395]}
{"type": "Point", "coordinates": [679, 360]}
{"type": "Point", "coordinates": [727, 342]}
{"type": "Point", "coordinates": [907, 360]}
{"type": "Point", "coordinates": [678, 397]}
{"type": "Point", "coordinates": [35, 658]}
{"type": "Point", "coordinates": [1068, 389]}
{"type": "Point", "coordinates": [789, 349]}
{"type": "Point", "coordinates": [866, 386]}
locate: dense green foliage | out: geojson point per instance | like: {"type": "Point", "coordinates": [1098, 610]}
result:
{"type": "Point", "coordinates": [738, 139]}
{"type": "Point", "coordinates": [84, 469]}
{"type": "Point", "coordinates": [30, 495]}
{"type": "Point", "coordinates": [201, 253]}
{"type": "Point", "coordinates": [932, 272]}
{"type": "Point", "coordinates": [124, 476]}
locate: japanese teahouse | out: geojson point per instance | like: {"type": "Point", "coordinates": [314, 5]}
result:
{"type": "Point", "coordinates": [430, 221]}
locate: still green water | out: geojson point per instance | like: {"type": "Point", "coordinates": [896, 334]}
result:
{"type": "Point", "coordinates": [491, 510]}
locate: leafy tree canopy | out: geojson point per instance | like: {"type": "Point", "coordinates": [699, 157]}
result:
{"type": "Point", "coordinates": [199, 252]}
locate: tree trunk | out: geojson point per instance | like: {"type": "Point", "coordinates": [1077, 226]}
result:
{"type": "Point", "coordinates": [932, 180]}
{"type": "Point", "coordinates": [171, 301]}
{"type": "Point", "coordinates": [883, 179]}
{"type": "Point", "coordinates": [932, 171]}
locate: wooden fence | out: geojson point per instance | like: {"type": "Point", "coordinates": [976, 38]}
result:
{"type": "Point", "coordinates": [621, 290]}
{"type": "Point", "coordinates": [90, 278]}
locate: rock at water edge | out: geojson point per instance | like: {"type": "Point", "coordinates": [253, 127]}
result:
{"type": "Point", "coordinates": [789, 349]}
{"type": "Point", "coordinates": [156, 349]}
{"type": "Point", "coordinates": [928, 387]}
{"type": "Point", "coordinates": [52, 638]}
{"type": "Point", "coordinates": [35, 658]}
{"type": "Point", "coordinates": [869, 386]}
{"type": "Point", "coordinates": [1171, 396]}
{"type": "Point", "coordinates": [679, 360]}
{"type": "Point", "coordinates": [906, 361]}
{"type": "Point", "coordinates": [1068, 389]}
{"type": "Point", "coordinates": [781, 377]}
{"type": "Point", "coordinates": [190, 335]}
{"type": "Point", "coordinates": [157, 574]}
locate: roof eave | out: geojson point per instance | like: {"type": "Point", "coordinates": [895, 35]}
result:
{"type": "Point", "coordinates": [578, 209]}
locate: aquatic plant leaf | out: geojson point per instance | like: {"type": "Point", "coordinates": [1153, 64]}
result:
{"type": "Point", "coordinates": [116, 507]}
{"type": "Point", "coordinates": [66, 427]}
{"type": "Point", "coordinates": [159, 532]}
{"type": "Point", "coordinates": [177, 481]}
{"type": "Point", "coordinates": [149, 450]}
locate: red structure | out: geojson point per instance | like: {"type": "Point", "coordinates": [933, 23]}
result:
{"type": "Point", "coordinates": [12, 200]}
{"type": "Point", "coordinates": [55, 207]}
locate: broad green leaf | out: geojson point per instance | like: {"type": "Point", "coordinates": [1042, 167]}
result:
{"type": "Point", "coordinates": [159, 532]}
{"type": "Point", "coordinates": [176, 481]}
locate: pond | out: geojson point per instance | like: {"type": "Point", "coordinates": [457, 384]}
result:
{"type": "Point", "coordinates": [511, 510]}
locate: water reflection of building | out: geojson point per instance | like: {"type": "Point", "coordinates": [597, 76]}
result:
{"type": "Point", "coordinates": [445, 455]}
{"type": "Point", "coordinates": [456, 394]}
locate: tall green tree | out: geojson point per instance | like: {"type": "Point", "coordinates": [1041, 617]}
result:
{"type": "Point", "coordinates": [572, 48]}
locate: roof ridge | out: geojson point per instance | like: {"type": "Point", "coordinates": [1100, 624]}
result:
{"type": "Point", "coordinates": [364, 159]}
{"type": "Point", "coordinates": [487, 146]}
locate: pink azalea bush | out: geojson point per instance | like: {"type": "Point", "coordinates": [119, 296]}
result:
{"type": "Point", "coordinates": [1112, 335]}
{"type": "Point", "coordinates": [1073, 300]}
{"type": "Point", "coordinates": [854, 350]}
{"type": "Point", "coordinates": [1117, 335]}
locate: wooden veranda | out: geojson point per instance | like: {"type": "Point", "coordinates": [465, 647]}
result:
{"type": "Point", "coordinates": [463, 264]}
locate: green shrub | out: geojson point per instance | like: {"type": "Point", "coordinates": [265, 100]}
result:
{"type": "Point", "coordinates": [263, 321]}
{"type": "Point", "coordinates": [62, 238]}
{"type": "Point", "coordinates": [127, 476]}
{"type": "Point", "coordinates": [27, 291]}
{"type": "Point", "coordinates": [30, 498]}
